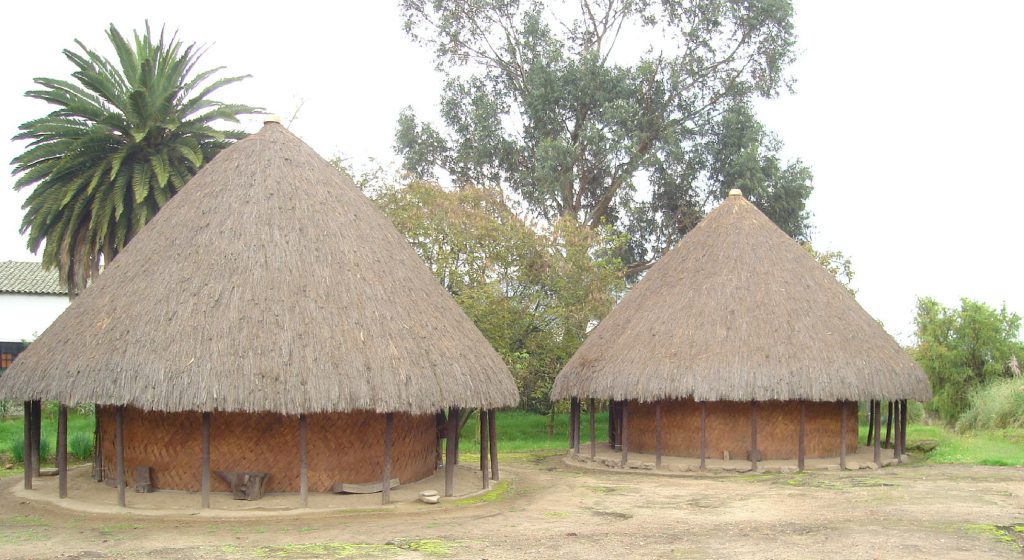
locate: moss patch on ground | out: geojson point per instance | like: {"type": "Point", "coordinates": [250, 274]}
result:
{"type": "Point", "coordinates": [496, 492]}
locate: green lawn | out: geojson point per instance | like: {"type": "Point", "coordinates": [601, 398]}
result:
{"type": "Point", "coordinates": [12, 430]}
{"type": "Point", "coordinates": [991, 447]}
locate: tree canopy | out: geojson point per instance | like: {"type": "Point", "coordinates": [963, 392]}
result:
{"type": "Point", "coordinates": [964, 349]}
{"type": "Point", "coordinates": [533, 292]}
{"type": "Point", "coordinates": [574, 113]}
{"type": "Point", "coordinates": [125, 135]}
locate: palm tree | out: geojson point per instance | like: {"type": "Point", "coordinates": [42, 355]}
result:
{"type": "Point", "coordinates": [123, 139]}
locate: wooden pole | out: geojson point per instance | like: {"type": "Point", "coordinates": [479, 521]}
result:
{"type": "Point", "coordinates": [871, 420]}
{"type": "Point", "coordinates": [62, 451]}
{"type": "Point", "coordinates": [903, 427]}
{"type": "Point", "coordinates": [484, 439]}
{"type": "Point", "coordinates": [878, 426]}
{"type": "Point", "coordinates": [613, 425]}
{"type": "Point", "coordinates": [26, 454]}
{"type": "Point", "coordinates": [492, 433]}
{"type": "Point", "coordinates": [703, 435]}
{"type": "Point", "coordinates": [619, 411]}
{"type": "Point", "coordinates": [657, 435]}
{"type": "Point", "coordinates": [303, 462]}
{"type": "Point", "coordinates": [119, 453]}
{"type": "Point", "coordinates": [593, 430]}
{"type": "Point", "coordinates": [451, 435]}
{"type": "Point", "coordinates": [842, 435]}
{"type": "Point", "coordinates": [896, 435]}
{"type": "Point", "coordinates": [803, 430]}
{"type": "Point", "coordinates": [625, 433]}
{"type": "Point", "coordinates": [97, 448]}
{"type": "Point", "coordinates": [753, 435]}
{"type": "Point", "coordinates": [578, 427]}
{"type": "Point", "coordinates": [37, 424]}
{"type": "Point", "coordinates": [389, 435]}
{"type": "Point", "coordinates": [204, 487]}
{"type": "Point", "coordinates": [888, 427]}
{"type": "Point", "coordinates": [458, 434]}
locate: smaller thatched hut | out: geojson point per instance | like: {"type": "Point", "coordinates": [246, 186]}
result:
{"type": "Point", "coordinates": [270, 320]}
{"type": "Point", "coordinates": [738, 343]}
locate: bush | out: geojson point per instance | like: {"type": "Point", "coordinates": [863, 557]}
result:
{"type": "Point", "coordinates": [80, 445]}
{"type": "Point", "coordinates": [46, 448]}
{"type": "Point", "coordinates": [997, 405]}
{"type": "Point", "coordinates": [17, 449]}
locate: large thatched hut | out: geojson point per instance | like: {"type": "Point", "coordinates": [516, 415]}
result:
{"type": "Point", "coordinates": [738, 343]}
{"type": "Point", "coordinates": [268, 320]}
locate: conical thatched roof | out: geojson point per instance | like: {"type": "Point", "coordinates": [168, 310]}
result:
{"type": "Point", "coordinates": [269, 283]}
{"type": "Point", "coordinates": [739, 311]}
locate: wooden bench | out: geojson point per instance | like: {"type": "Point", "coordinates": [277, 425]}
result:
{"type": "Point", "coordinates": [369, 488]}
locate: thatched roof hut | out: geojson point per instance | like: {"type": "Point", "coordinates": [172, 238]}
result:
{"type": "Point", "coordinates": [739, 311]}
{"type": "Point", "coordinates": [269, 285]}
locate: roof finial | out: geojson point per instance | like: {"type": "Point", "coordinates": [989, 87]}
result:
{"type": "Point", "coordinates": [736, 192]}
{"type": "Point", "coordinates": [271, 118]}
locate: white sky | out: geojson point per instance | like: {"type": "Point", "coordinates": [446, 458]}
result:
{"type": "Point", "coordinates": [909, 113]}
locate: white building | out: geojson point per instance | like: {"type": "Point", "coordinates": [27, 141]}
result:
{"type": "Point", "coordinates": [30, 299]}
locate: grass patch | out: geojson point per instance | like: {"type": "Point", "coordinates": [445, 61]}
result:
{"type": "Point", "coordinates": [526, 431]}
{"type": "Point", "coordinates": [496, 492]}
{"type": "Point", "coordinates": [992, 447]}
{"type": "Point", "coordinates": [1009, 534]}
{"type": "Point", "coordinates": [12, 433]}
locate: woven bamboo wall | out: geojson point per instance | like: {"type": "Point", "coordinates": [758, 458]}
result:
{"type": "Point", "coordinates": [728, 428]}
{"type": "Point", "coordinates": [342, 447]}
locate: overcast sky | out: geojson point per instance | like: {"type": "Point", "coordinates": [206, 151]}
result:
{"type": "Point", "coordinates": [909, 114]}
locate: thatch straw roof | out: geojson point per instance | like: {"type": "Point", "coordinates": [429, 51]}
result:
{"type": "Point", "coordinates": [739, 311]}
{"type": "Point", "coordinates": [269, 283]}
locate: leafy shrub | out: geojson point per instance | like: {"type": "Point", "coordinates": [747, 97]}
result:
{"type": "Point", "coordinates": [80, 445]}
{"type": "Point", "coordinates": [46, 448]}
{"type": "Point", "coordinates": [17, 449]}
{"type": "Point", "coordinates": [997, 405]}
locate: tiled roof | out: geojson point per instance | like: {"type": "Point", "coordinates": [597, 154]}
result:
{"type": "Point", "coordinates": [28, 278]}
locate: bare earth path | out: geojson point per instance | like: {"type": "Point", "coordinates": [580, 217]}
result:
{"type": "Point", "coordinates": [556, 511]}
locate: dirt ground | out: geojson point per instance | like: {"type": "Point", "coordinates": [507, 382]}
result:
{"type": "Point", "coordinates": [553, 510]}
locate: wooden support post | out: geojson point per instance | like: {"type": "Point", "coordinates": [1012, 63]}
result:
{"type": "Point", "coordinates": [484, 439]}
{"type": "Point", "coordinates": [753, 435]}
{"type": "Point", "coordinates": [903, 427]}
{"type": "Point", "coordinates": [657, 435]}
{"type": "Point", "coordinates": [878, 426]}
{"type": "Point", "coordinates": [97, 448]}
{"type": "Point", "coordinates": [204, 487]}
{"type": "Point", "coordinates": [888, 427]}
{"type": "Point", "coordinates": [593, 429]}
{"type": "Point", "coordinates": [803, 430]}
{"type": "Point", "coordinates": [303, 463]}
{"type": "Point", "coordinates": [703, 435]}
{"type": "Point", "coordinates": [577, 427]}
{"type": "Point", "coordinates": [619, 411]}
{"type": "Point", "coordinates": [492, 433]}
{"type": "Point", "coordinates": [896, 427]}
{"type": "Point", "coordinates": [37, 425]}
{"type": "Point", "coordinates": [26, 454]}
{"type": "Point", "coordinates": [451, 436]}
{"type": "Point", "coordinates": [613, 425]}
{"type": "Point", "coordinates": [62, 451]}
{"type": "Point", "coordinates": [625, 433]}
{"type": "Point", "coordinates": [119, 453]}
{"type": "Point", "coordinates": [871, 421]}
{"type": "Point", "coordinates": [842, 435]}
{"type": "Point", "coordinates": [458, 433]}
{"type": "Point", "coordinates": [389, 436]}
